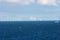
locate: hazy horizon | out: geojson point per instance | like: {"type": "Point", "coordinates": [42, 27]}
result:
{"type": "Point", "coordinates": [29, 10]}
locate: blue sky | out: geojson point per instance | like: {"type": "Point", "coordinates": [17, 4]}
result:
{"type": "Point", "coordinates": [27, 10]}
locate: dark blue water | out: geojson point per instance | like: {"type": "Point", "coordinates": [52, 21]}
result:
{"type": "Point", "coordinates": [30, 30]}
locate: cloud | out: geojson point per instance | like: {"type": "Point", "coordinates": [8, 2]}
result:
{"type": "Point", "coordinates": [28, 2]}
{"type": "Point", "coordinates": [9, 17]}
{"type": "Point", "coordinates": [21, 2]}
{"type": "Point", "coordinates": [43, 2]}
{"type": "Point", "coordinates": [47, 2]}
{"type": "Point", "coordinates": [32, 18]}
{"type": "Point", "coordinates": [12, 1]}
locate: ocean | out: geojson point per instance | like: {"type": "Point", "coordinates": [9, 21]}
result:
{"type": "Point", "coordinates": [29, 30]}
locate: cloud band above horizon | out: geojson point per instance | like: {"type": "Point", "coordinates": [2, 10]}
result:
{"type": "Point", "coordinates": [27, 2]}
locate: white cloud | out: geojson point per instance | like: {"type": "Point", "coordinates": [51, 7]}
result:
{"type": "Point", "coordinates": [12, 1]}
{"type": "Point", "coordinates": [25, 2]}
{"type": "Point", "coordinates": [28, 2]}
{"type": "Point", "coordinates": [47, 2]}
{"type": "Point", "coordinates": [43, 2]}
{"type": "Point", "coordinates": [32, 1]}
{"type": "Point", "coordinates": [9, 17]}
{"type": "Point", "coordinates": [22, 2]}
{"type": "Point", "coordinates": [52, 2]}
{"type": "Point", "coordinates": [32, 18]}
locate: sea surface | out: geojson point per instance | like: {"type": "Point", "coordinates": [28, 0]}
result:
{"type": "Point", "coordinates": [29, 30]}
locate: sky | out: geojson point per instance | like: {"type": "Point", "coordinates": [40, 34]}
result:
{"type": "Point", "coordinates": [29, 10]}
